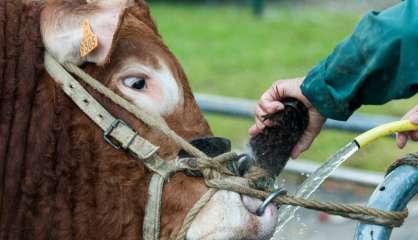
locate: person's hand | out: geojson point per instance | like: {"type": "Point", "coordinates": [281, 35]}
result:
{"type": "Point", "coordinates": [402, 138]}
{"type": "Point", "coordinates": [270, 103]}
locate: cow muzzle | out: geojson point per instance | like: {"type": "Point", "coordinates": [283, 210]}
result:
{"type": "Point", "coordinates": [236, 212]}
{"type": "Point", "coordinates": [270, 150]}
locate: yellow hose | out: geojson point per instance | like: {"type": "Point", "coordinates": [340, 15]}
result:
{"type": "Point", "coordinates": [384, 130]}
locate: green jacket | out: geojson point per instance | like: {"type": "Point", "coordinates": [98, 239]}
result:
{"type": "Point", "coordinates": [377, 63]}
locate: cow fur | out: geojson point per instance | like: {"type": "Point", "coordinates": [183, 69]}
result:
{"type": "Point", "coordinates": [58, 178]}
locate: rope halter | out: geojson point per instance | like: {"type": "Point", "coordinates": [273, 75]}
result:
{"type": "Point", "coordinates": [214, 170]}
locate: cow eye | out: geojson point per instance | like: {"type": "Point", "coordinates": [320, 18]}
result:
{"type": "Point", "coordinates": [137, 83]}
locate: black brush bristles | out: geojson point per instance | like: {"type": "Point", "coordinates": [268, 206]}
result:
{"type": "Point", "coordinates": [272, 147]}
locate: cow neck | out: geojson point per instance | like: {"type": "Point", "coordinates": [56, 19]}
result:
{"type": "Point", "coordinates": [121, 136]}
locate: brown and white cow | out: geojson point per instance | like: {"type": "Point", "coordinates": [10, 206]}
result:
{"type": "Point", "coordinates": [60, 180]}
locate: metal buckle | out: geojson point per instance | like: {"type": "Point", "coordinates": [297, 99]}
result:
{"type": "Point", "coordinates": [262, 208]}
{"type": "Point", "coordinates": [115, 124]}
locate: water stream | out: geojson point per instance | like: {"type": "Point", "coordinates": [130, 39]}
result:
{"type": "Point", "coordinates": [312, 183]}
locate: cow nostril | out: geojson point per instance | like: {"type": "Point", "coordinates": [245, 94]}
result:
{"type": "Point", "coordinates": [251, 204]}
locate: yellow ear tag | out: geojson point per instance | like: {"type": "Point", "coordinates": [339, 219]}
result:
{"type": "Point", "coordinates": [89, 42]}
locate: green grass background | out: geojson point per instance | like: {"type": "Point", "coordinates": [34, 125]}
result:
{"type": "Point", "coordinates": [226, 51]}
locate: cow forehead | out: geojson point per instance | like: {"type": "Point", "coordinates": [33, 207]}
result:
{"type": "Point", "coordinates": [138, 47]}
{"type": "Point", "coordinates": [134, 37]}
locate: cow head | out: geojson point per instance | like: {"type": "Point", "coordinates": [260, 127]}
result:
{"type": "Point", "coordinates": [132, 60]}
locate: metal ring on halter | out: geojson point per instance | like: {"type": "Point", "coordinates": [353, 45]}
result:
{"type": "Point", "coordinates": [244, 164]}
{"type": "Point", "coordinates": [262, 208]}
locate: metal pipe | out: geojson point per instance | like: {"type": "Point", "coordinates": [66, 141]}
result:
{"type": "Point", "coordinates": [398, 188]}
{"type": "Point", "coordinates": [244, 108]}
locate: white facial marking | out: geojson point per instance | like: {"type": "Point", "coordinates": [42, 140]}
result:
{"type": "Point", "coordinates": [225, 217]}
{"type": "Point", "coordinates": [161, 94]}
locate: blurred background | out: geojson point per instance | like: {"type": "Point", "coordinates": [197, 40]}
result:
{"type": "Point", "coordinates": [237, 48]}
{"type": "Point", "coordinates": [228, 48]}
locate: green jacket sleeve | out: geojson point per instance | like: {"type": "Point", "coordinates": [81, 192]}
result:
{"type": "Point", "coordinates": [377, 63]}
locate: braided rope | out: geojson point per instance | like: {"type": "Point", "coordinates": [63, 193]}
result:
{"type": "Point", "coordinates": [410, 159]}
{"type": "Point", "coordinates": [214, 171]}
{"type": "Point", "coordinates": [357, 212]}
{"type": "Point", "coordinates": [187, 222]}
{"type": "Point", "coordinates": [215, 168]}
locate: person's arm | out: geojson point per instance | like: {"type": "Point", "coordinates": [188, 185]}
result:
{"type": "Point", "coordinates": [377, 63]}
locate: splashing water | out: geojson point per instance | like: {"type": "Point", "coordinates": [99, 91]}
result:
{"type": "Point", "coordinates": [312, 183]}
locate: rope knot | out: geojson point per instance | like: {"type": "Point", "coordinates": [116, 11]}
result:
{"type": "Point", "coordinates": [215, 168]}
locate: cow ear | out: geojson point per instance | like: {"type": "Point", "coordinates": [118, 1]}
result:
{"type": "Point", "coordinates": [64, 25]}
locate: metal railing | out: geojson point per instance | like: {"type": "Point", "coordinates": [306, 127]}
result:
{"type": "Point", "coordinates": [393, 194]}
{"type": "Point", "coordinates": [244, 108]}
